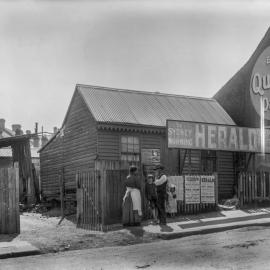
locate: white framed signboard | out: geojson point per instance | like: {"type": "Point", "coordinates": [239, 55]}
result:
{"type": "Point", "coordinates": [208, 189]}
{"type": "Point", "coordinates": [192, 189]}
{"type": "Point", "coordinates": [150, 156]}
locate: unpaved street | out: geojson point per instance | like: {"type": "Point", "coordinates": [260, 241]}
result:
{"type": "Point", "coordinates": [246, 248]}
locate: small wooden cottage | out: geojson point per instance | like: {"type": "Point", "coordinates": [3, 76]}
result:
{"type": "Point", "coordinates": [106, 124]}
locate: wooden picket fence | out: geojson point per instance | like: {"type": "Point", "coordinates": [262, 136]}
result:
{"type": "Point", "coordinates": [9, 201]}
{"type": "Point", "coordinates": [88, 200]}
{"type": "Point", "coordinates": [100, 197]}
{"type": "Point", "coordinates": [253, 187]}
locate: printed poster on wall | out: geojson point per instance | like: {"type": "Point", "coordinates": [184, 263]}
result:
{"type": "Point", "coordinates": [192, 189]}
{"type": "Point", "coordinates": [208, 189]}
{"type": "Point", "coordinates": [178, 181]}
{"type": "Point", "coordinates": [150, 156]}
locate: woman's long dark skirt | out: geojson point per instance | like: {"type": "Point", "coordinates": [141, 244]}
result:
{"type": "Point", "coordinates": [129, 217]}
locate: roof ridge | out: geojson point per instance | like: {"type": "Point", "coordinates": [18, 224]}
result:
{"type": "Point", "coordinates": [143, 92]}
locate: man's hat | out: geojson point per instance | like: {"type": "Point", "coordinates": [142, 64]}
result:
{"type": "Point", "coordinates": [159, 167]}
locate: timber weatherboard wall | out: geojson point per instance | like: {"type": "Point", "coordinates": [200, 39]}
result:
{"type": "Point", "coordinates": [109, 142]}
{"type": "Point", "coordinates": [76, 150]}
{"type": "Point", "coordinates": [51, 160]}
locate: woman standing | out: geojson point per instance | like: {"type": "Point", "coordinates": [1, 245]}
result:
{"type": "Point", "coordinates": [132, 209]}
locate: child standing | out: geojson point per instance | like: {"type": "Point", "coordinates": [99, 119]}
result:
{"type": "Point", "coordinates": [151, 196]}
{"type": "Point", "coordinates": [171, 203]}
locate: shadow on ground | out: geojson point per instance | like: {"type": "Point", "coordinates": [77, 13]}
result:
{"type": "Point", "coordinates": [7, 237]}
{"type": "Point", "coordinates": [136, 231]}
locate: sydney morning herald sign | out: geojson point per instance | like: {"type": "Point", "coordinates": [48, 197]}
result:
{"type": "Point", "coordinates": [191, 135]}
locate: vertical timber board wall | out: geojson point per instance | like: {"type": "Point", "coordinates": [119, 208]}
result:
{"type": "Point", "coordinates": [9, 201]}
{"type": "Point", "coordinates": [170, 158]}
{"type": "Point", "coordinates": [225, 174]}
{"type": "Point", "coordinates": [51, 162]}
{"type": "Point", "coordinates": [6, 162]}
{"type": "Point", "coordinates": [79, 141]}
{"type": "Point", "coordinates": [192, 163]}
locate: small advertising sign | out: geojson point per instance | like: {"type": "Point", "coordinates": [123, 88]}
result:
{"type": "Point", "coordinates": [192, 189]}
{"type": "Point", "coordinates": [208, 189]}
{"type": "Point", "coordinates": [150, 156]}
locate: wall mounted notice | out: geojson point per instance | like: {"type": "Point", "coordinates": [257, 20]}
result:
{"type": "Point", "coordinates": [207, 189]}
{"type": "Point", "coordinates": [150, 156]}
{"type": "Point", "coordinates": [192, 189]}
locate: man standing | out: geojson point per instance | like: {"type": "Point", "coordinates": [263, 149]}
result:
{"type": "Point", "coordinates": [161, 183]}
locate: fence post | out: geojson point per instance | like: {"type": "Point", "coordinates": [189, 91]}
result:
{"type": "Point", "coordinates": [9, 201]}
{"type": "Point", "coordinates": [216, 187]}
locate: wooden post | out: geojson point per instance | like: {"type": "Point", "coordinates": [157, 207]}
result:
{"type": "Point", "coordinates": [216, 187]}
{"type": "Point", "coordinates": [61, 184]}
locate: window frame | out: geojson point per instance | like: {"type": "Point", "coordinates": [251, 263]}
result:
{"type": "Point", "coordinates": [133, 150]}
{"type": "Point", "coordinates": [206, 157]}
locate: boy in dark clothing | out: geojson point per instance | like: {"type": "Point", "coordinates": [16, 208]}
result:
{"type": "Point", "coordinates": [151, 196]}
{"type": "Point", "coordinates": [161, 184]}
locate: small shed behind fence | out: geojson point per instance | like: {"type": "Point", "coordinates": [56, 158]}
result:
{"type": "Point", "coordinates": [21, 154]}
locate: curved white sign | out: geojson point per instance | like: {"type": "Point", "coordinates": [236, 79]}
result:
{"type": "Point", "coordinates": [260, 83]}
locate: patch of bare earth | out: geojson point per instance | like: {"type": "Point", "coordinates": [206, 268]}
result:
{"type": "Point", "coordinates": [45, 233]}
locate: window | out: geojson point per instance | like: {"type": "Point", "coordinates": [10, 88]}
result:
{"type": "Point", "coordinates": [209, 161]}
{"type": "Point", "coordinates": [130, 148]}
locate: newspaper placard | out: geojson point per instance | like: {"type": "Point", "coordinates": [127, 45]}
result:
{"type": "Point", "coordinates": [192, 189]}
{"type": "Point", "coordinates": [208, 189]}
{"type": "Point", "coordinates": [178, 181]}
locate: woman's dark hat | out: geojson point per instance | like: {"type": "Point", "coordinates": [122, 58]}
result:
{"type": "Point", "coordinates": [132, 169]}
{"type": "Point", "coordinates": [159, 167]}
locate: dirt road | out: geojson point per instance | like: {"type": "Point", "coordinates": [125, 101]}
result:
{"type": "Point", "coordinates": [246, 248]}
{"type": "Point", "coordinates": [45, 233]}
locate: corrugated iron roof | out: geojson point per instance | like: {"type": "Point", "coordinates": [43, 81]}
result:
{"type": "Point", "coordinates": [148, 108]}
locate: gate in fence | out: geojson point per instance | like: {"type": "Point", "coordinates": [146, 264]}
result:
{"type": "Point", "coordinates": [114, 193]}
{"type": "Point", "coordinates": [89, 214]}
{"type": "Point", "coordinates": [253, 187]}
{"type": "Point", "coordinates": [9, 201]}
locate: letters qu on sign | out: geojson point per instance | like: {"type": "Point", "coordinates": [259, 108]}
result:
{"type": "Point", "coordinates": [260, 83]}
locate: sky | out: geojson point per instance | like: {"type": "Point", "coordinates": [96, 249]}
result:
{"type": "Point", "coordinates": [179, 47]}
